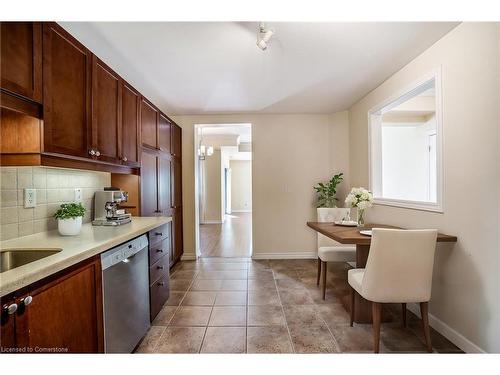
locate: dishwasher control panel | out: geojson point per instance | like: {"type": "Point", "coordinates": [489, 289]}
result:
{"type": "Point", "coordinates": [122, 252]}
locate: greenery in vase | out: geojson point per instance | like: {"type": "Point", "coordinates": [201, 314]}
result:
{"type": "Point", "coordinates": [327, 191]}
{"type": "Point", "coordinates": [70, 211]}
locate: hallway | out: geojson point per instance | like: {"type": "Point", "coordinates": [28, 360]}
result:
{"type": "Point", "coordinates": [233, 238]}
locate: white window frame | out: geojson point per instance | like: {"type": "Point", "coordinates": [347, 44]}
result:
{"type": "Point", "coordinates": [374, 166]}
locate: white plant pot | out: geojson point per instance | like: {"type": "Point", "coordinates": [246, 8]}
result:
{"type": "Point", "coordinates": [69, 227]}
{"type": "Point", "coordinates": [328, 215]}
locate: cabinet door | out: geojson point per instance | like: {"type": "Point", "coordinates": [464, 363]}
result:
{"type": "Point", "coordinates": [130, 125]}
{"type": "Point", "coordinates": [7, 326]}
{"type": "Point", "coordinates": [106, 112]}
{"type": "Point", "coordinates": [149, 184]}
{"type": "Point", "coordinates": [65, 313]}
{"type": "Point", "coordinates": [21, 59]}
{"type": "Point", "coordinates": [177, 240]}
{"type": "Point", "coordinates": [175, 183]}
{"type": "Point", "coordinates": [164, 185]}
{"type": "Point", "coordinates": [176, 141]}
{"type": "Point", "coordinates": [66, 92]}
{"type": "Point", "coordinates": [149, 124]}
{"type": "Point", "coordinates": [164, 135]}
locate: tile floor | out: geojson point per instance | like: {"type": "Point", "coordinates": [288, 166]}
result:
{"type": "Point", "coordinates": [238, 305]}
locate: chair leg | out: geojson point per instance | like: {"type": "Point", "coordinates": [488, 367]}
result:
{"type": "Point", "coordinates": [319, 271]}
{"type": "Point", "coordinates": [376, 316]}
{"type": "Point", "coordinates": [403, 311]}
{"type": "Point", "coordinates": [352, 306]}
{"type": "Point", "coordinates": [323, 274]}
{"type": "Point", "coordinates": [424, 311]}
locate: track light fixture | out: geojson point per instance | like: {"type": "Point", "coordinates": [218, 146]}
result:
{"type": "Point", "coordinates": [264, 36]}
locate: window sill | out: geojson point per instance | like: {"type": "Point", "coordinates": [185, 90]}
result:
{"type": "Point", "coordinates": [412, 205]}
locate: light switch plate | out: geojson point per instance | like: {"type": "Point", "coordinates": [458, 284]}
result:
{"type": "Point", "coordinates": [29, 198]}
{"type": "Point", "coordinates": [78, 195]}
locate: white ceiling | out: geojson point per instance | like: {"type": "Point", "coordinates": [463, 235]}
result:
{"type": "Point", "coordinates": [203, 67]}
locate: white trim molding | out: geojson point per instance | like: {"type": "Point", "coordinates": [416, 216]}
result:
{"type": "Point", "coordinates": [374, 144]}
{"type": "Point", "coordinates": [455, 337]}
{"type": "Point", "coordinates": [188, 256]}
{"type": "Point", "coordinates": [289, 255]}
{"type": "Point", "coordinates": [240, 211]}
{"type": "Point", "coordinates": [212, 222]}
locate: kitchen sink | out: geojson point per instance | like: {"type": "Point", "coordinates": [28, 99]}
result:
{"type": "Point", "coordinates": [13, 258]}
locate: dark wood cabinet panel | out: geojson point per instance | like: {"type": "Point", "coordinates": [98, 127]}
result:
{"type": "Point", "coordinates": [21, 59]}
{"type": "Point", "coordinates": [106, 112]}
{"type": "Point", "coordinates": [130, 125]}
{"type": "Point", "coordinates": [149, 184]}
{"type": "Point", "coordinates": [7, 326]}
{"type": "Point", "coordinates": [176, 141]}
{"type": "Point", "coordinates": [177, 239]}
{"type": "Point", "coordinates": [65, 312]}
{"type": "Point", "coordinates": [164, 133]}
{"type": "Point", "coordinates": [175, 183]}
{"type": "Point", "coordinates": [149, 124]}
{"type": "Point", "coordinates": [159, 292]}
{"type": "Point", "coordinates": [164, 201]}
{"type": "Point", "coordinates": [66, 92]}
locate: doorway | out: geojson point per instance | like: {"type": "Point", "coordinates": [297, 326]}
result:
{"type": "Point", "coordinates": [223, 190]}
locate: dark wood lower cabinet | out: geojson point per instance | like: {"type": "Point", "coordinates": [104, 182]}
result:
{"type": "Point", "coordinates": [159, 268]}
{"type": "Point", "coordinates": [60, 314]}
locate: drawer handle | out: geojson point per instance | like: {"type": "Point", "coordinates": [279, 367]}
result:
{"type": "Point", "coordinates": [10, 309]}
{"type": "Point", "coordinates": [161, 283]}
{"type": "Point", "coordinates": [159, 251]}
{"type": "Point", "coordinates": [158, 233]}
{"type": "Point", "coordinates": [159, 267]}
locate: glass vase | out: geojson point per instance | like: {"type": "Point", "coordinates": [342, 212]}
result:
{"type": "Point", "coordinates": [361, 217]}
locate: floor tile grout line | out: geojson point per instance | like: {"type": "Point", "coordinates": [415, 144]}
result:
{"type": "Point", "coordinates": [208, 322]}
{"type": "Point", "coordinates": [284, 316]}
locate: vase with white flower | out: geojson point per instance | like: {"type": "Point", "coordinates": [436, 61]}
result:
{"type": "Point", "coordinates": [361, 199]}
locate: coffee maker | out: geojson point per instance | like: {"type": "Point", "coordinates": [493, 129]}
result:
{"type": "Point", "coordinates": [106, 207]}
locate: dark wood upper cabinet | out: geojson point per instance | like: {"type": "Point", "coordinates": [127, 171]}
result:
{"type": "Point", "coordinates": [149, 124]}
{"type": "Point", "coordinates": [21, 59]}
{"type": "Point", "coordinates": [66, 92]}
{"type": "Point", "coordinates": [130, 125]}
{"type": "Point", "coordinates": [164, 133]}
{"type": "Point", "coordinates": [149, 184]}
{"type": "Point", "coordinates": [176, 134]}
{"type": "Point", "coordinates": [164, 185]}
{"type": "Point", "coordinates": [106, 112]}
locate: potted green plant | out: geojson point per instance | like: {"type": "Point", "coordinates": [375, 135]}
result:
{"type": "Point", "coordinates": [69, 218]}
{"type": "Point", "coordinates": [326, 194]}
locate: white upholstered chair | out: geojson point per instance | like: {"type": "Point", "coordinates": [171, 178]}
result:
{"type": "Point", "coordinates": [398, 270]}
{"type": "Point", "coordinates": [330, 250]}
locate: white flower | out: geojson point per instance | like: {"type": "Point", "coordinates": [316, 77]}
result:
{"type": "Point", "coordinates": [359, 197]}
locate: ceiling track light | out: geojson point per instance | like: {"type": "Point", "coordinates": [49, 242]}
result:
{"type": "Point", "coordinates": [264, 36]}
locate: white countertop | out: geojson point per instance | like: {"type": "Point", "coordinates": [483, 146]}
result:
{"type": "Point", "coordinates": [91, 241]}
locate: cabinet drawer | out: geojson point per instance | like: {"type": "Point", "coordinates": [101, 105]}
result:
{"type": "Point", "coordinates": [159, 234]}
{"type": "Point", "coordinates": [158, 250]}
{"type": "Point", "coordinates": [159, 292]}
{"type": "Point", "coordinates": [159, 269]}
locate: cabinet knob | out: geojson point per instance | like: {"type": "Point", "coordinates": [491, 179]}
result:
{"type": "Point", "coordinates": [161, 283]}
{"type": "Point", "coordinates": [27, 300]}
{"type": "Point", "coordinates": [97, 153]}
{"type": "Point", "coordinates": [92, 152]}
{"type": "Point", "coordinates": [160, 267]}
{"type": "Point", "coordinates": [124, 158]}
{"type": "Point", "coordinates": [10, 309]}
{"type": "Point", "coordinates": [159, 251]}
{"type": "Point", "coordinates": [158, 233]}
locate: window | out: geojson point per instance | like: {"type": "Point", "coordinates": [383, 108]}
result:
{"type": "Point", "coordinates": [405, 148]}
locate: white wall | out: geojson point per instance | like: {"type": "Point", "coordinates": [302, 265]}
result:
{"type": "Point", "coordinates": [241, 185]}
{"type": "Point", "coordinates": [291, 153]}
{"type": "Point", "coordinates": [465, 297]}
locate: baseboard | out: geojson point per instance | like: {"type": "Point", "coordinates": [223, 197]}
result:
{"type": "Point", "coordinates": [455, 337]}
{"type": "Point", "coordinates": [188, 256]}
{"type": "Point", "coordinates": [240, 211]}
{"type": "Point", "coordinates": [212, 222]}
{"type": "Point", "coordinates": [291, 255]}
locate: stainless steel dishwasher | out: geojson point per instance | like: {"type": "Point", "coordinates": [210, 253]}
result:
{"type": "Point", "coordinates": [126, 295]}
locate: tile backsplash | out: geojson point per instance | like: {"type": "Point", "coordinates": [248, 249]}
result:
{"type": "Point", "coordinates": [53, 187]}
